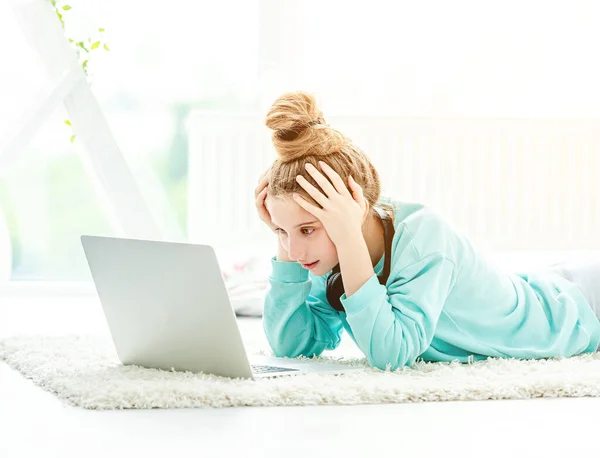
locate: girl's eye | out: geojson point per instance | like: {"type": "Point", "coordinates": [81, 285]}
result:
{"type": "Point", "coordinates": [304, 231]}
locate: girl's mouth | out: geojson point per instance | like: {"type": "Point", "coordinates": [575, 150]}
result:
{"type": "Point", "coordinates": [310, 266]}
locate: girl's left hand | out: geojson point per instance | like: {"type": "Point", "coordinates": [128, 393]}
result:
{"type": "Point", "coordinates": [342, 212]}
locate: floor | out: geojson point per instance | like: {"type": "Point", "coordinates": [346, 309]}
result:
{"type": "Point", "coordinates": [35, 423]}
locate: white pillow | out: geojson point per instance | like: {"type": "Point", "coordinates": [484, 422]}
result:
{"type": "Point", "coordinates": [246, 269]}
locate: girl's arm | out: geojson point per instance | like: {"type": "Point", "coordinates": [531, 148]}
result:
{"type": "Point", "coordinates": [393, 326]}
{"type": "Point", "coordinates": [297, 318]}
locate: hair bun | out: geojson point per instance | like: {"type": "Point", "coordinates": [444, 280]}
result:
{"type": "Point", "coordinates": [300, 128]}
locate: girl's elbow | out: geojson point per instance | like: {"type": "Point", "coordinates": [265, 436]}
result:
{"type": "Point", "coordinates": [283, 352]}
{"type": "Point", "coordinates": [294, 350]}
{"type": "Point", "coordinates": [390, 362]}
{"type": "Point", "coordinates": [283, 349]}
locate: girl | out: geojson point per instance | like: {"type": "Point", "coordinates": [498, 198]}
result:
{"type": "Point", "coordinates": [429, 294]}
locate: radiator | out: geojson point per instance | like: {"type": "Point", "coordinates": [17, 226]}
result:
{"type": "Point", "coordinates": [509, 184]}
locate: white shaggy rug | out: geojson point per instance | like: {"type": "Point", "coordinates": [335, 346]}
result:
{"type": "Point", "coordinates": [84, 371]}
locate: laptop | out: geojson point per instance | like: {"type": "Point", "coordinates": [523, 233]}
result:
{"type": "Point", "coordinates": [167, 307]}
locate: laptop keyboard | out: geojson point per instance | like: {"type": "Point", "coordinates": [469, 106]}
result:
{"type": "Point", "coordinates": [262, 369]}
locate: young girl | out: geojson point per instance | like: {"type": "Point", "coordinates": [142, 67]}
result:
{"type": "Point", "coordinates": [429, 295]}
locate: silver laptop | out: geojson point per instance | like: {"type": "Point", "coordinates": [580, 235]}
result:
{"type": "Point", "coordinates": [167, 307]}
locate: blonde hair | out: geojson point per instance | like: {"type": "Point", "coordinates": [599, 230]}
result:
{"type": "Point", "coordinates": [302, 135]}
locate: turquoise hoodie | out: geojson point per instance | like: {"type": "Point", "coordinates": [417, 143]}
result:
{"type": "Point", "coordinates": [443, 301]}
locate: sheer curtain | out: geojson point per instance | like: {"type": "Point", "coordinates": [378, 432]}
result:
{"type": "Point", "coordinates": [435, 58]}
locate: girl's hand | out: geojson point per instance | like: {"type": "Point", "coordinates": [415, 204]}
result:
{"type": "Point", "coordinates": [343, 210]}
{"type": "Point", "coordinates": [260, 194]}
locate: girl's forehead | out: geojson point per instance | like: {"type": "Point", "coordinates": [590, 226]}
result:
{"type": "Point", "coordinates": [286, 211]}
{"type": "Point", "coordinates": [281, 202]}
{"type": "Point", "coordinates": [284, 206]}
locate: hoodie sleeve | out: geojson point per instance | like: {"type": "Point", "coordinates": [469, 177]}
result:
{"type": "Point", "coordinates": [393, 325]}
{"type": "Point", "coordinates": [297, 319]}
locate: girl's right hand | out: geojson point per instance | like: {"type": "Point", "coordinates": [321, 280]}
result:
{"type": "Point", "coordinates": [260, 194]}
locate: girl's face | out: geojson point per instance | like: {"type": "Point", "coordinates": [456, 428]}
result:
{"type": "Point", "coordinates": [302, 235]}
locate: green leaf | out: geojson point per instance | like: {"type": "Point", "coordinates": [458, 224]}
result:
{"type": "Point", "coordinates": [70, 40]}
{"type": "Point", "coordinates": [80, 44]}
{"type": "Point", "coordinates": [100, 29]}
{"type": "Point", "coordinates": [95, 45]}
{"type": "Point", "coordinates": [67, 122]}
{"type": "Point", "coordinates": [106, 47]}
{"type": "Point", "coordinates": [73, 138]}
{"type": "Point", "coordinates": [66, 7]}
